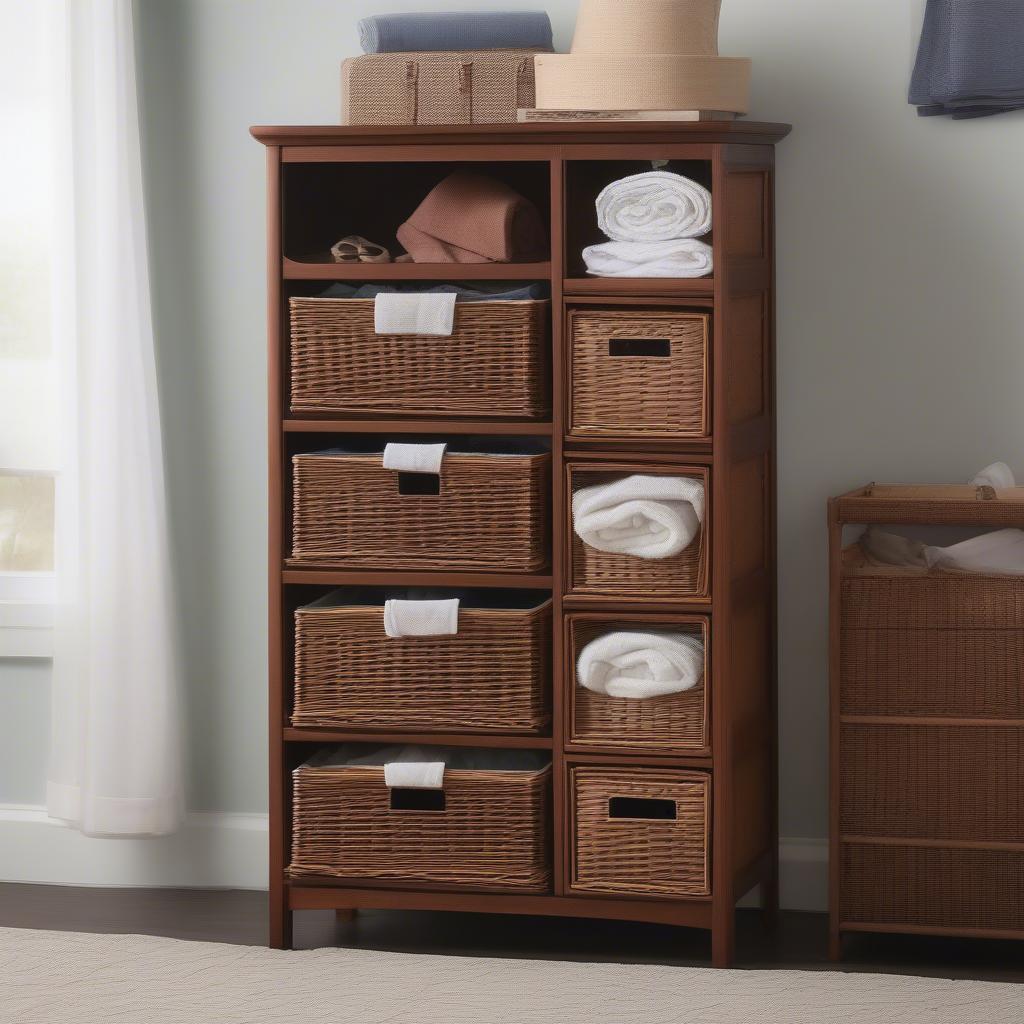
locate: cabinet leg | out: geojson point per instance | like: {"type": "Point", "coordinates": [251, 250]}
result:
{"type": "Point", "coordinates": [723, 943]}
{"type": "Point", "coordinates": [345, 914]}
{"type": "Point", "coordinates": [835, 945]}
{"type": "Point", "coordinates": [280, 920]}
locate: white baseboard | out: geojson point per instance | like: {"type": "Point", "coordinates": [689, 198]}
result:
{"type": "Point", "coordinates": [211, 851]}
{"type": "Point", "coordinates": [229, 851]}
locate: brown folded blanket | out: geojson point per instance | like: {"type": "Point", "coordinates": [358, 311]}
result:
{"type": "Point", "coordinates": [470, 218]}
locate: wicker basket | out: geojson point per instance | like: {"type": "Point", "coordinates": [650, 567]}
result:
{"type": "Point", "coordinates": [494, 364]}
{"type": "Point", "coordinates": [681, 579]}
{"type": "Point", "coordinates": [491, 514]}
{"type": "Point", "coordinates": [492, 676]}
{"type": "Point", "coordinates": [638, 374]}
{"type": "Point", "coordinates": [932, 887]}
{"type": "Point", "coordinates": [677, 722]}
{"type": "Point", "coordinates": [643, 831]}
{"type": "Point", "coordinates": [492, 833]}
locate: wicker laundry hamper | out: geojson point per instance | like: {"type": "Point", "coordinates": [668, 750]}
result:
{"type": "Point", "coordinates": [464, 87]}
{"type": "Point", "coordinates": [494, 364]}
{"type": "Point", "coordinates": [490, 512]}
{"type": "Point", "coordinates": [493, 675]}
{"type": "Point", "coordinates": [485, 830]}
{"type": "Point", "coordinates": [676, 722]}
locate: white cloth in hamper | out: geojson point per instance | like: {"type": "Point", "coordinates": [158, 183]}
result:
{"type": "Point", "coordinates": [654, 207]}
{"type": "Point", "coordinates": [641, 665]}
{"type": "Point", "coordinates": [414, 458]}
{"type": "Point", "coordinates": [421, 618]}
{"type": "Point", "coordinates": [417, 313]}
{"type": "Point", "coordinates": [1001, 551]}
{"type": "Point", "coordinates": [998, 476]}
{"type": "Point", "coordinates": [680, 257]}
{"type": "Point", "coordinates": [645, 516]}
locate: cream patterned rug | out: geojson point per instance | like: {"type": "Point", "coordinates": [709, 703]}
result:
{"type": "Point", "coordinates": [71, 978]}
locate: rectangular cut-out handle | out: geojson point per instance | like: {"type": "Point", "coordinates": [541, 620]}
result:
{"type": "Point", "coordinates": [419, 483]}
{"type": "Point", "coordinates": [643, 808]}
{"type": "Point", "coordinates": [408, 799]}
{"type": "Point", "coordinates": [639, 347]}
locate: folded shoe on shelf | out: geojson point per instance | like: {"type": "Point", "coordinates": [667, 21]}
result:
{"type": "Point", "coordinates": [638, 666]}
{"type": "Point", "coordinates": [646, 516]}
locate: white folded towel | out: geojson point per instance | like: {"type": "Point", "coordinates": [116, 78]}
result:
{"type": "Point", "coordinates": [999, 552]}
{"type": "Point", "coordinates": [414, 458]}
{"type": "Point", "coordinates": [421, 618]}
{"type": "Point", "coordinates": [404, 313]}
{"type": "Point", "coordinates": [414, 774]}
{"type": "Point", "coordinates": [646, 516]}
{"type": "Point", "coordinates": [680, 257]}
{"type": "Point", "coordinates": [654, 207]}
{"type": "Point", "coordinates": [998, 476]}
{"type": "Point", "coordinates": [641, 665]}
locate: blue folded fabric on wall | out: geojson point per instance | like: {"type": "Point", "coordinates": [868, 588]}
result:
{"type": "Point", "coordinates": [466, 30]}
{"type": "Point", "coordinates": [970, 62]}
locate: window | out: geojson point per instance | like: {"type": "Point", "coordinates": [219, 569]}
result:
{"type": "Point", "coordinates": [29, 248]}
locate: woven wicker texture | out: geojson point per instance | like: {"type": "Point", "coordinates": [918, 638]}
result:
{"type": "Point", "coordinates": [492, 834]}
{"type": "Point", "coordinates": [942, 504]}
{"type": "Point", "coordinates": [477, 87]}
{"type": "Point", "coordinates": [638, 396]}
{"type": "Point", "coordinates": [494, 364]}
{"type": "Point", "coordinates": [932, 782]}
{"type": "Point", "coordinates": [493, 675]}
{"type": "Point", "coordinates": [677, 722]}
{"type": "Point", "coordinates": [492, 513]}
{"type": "Point", "coordinates": [634, 855]}
{"type": "Point", "coordinates": [683, 577]}
{"type": "Point", "coordinates": [932, 887]}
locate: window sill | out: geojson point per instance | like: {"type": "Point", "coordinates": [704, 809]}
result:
{"type": "Point", "coordinates": [26, 615]}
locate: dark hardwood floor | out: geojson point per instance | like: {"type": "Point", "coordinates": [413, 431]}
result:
{"type": "Point", "coordinates": [798, 942]}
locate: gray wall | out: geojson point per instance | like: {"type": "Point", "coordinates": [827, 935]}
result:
{"type": "Point", "coordinates": [899, 307]}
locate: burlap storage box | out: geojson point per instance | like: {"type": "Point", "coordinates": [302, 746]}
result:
{"type": "Point", "coordinates": [468, 87]}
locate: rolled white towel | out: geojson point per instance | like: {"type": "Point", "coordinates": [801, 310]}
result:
{"type": "Point", "coordinates": [645, 516]}
{"type": "Point", "coordinates": [641, 665]}
{"type": "Point", "coordinates": [421, 618]}
{"type": "Point", "coordinates": [654, 207]}
{"type": "Point", "coordinates": [680, 257]}
{"type": "Point", "coordinates": [998, 476]}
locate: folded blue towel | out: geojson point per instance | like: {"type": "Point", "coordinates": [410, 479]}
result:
{"type": "Point", "coordinates": [970, 62]}
{"type": "Point", "coordinates": [463, 293]}
{"type": "Point", "coordinates": [463, 30]}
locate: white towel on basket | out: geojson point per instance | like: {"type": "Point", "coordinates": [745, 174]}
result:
{"type": "Point", "coordinates": [678, 257]}
{"type": "Point", "coordinates": [645, 516]}
{"type": "Point", "coordinates": [999, 476]}
{"type": "Point", "coordinates": [653, 207]}
{"type": "Point", "coordinates": [414, 458]}
{"type": "Point", "coordinates": [421, 618]}
{"type": "Point", "coordinates": [415, 313]}
{"type": "Point", "coordinates": [641, 665]}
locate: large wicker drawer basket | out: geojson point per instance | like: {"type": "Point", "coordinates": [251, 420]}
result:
{"type": "Point", "coordinates": [679, 579]}
{"type": "Point", "coordinates": [676, 722]}
{"type": "Point", "coordinates": [486, 829]}
{"type": "Point", "coordinates": [493, 675]}
{"type": "Point", "coordinates": [643, 831]}
{"type": "Point", "coordinates": [490, 513]}
{"type": "Point", "coordinates": [494, 364]}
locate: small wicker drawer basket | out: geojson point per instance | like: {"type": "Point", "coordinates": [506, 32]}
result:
{"type": "Point", "coordinates": [674, 723]}
{"type": "Point", "coordinates": [493, 675]}
{"type": "Point", "coordinates": [678, 579]}
{"type": "Point", "coordinates": [644, 831]}
{"type": "Point", "coordinates": [486, 829]}
{"type": "Point", "coordinates": [494, 364]}
{"type": "Point", "coordinates": [489, 512]}
{"type": "Point", "coordinates": [639, 374]}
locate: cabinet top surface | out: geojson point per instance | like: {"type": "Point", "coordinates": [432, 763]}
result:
{"type": "Point", "coordinates": [737, 132]}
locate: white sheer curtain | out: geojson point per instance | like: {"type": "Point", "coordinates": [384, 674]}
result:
{"type": "Point", "coordinates": [115, 757]}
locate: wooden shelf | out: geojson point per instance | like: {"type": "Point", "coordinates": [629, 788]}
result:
{"type": "Point", "coordinates": [309, 425]}
{"type": "Point", "coordinates": [314, 270]}
{"type": "Point", "coordinates": [404, 578]}
{"type": "Point", "coordinates": [299, 734]}
{"type": "Point", "coordinates": [699, 287]}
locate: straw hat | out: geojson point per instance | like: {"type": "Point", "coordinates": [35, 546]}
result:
{"type": "Point", "coordinates": [644, 55]}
